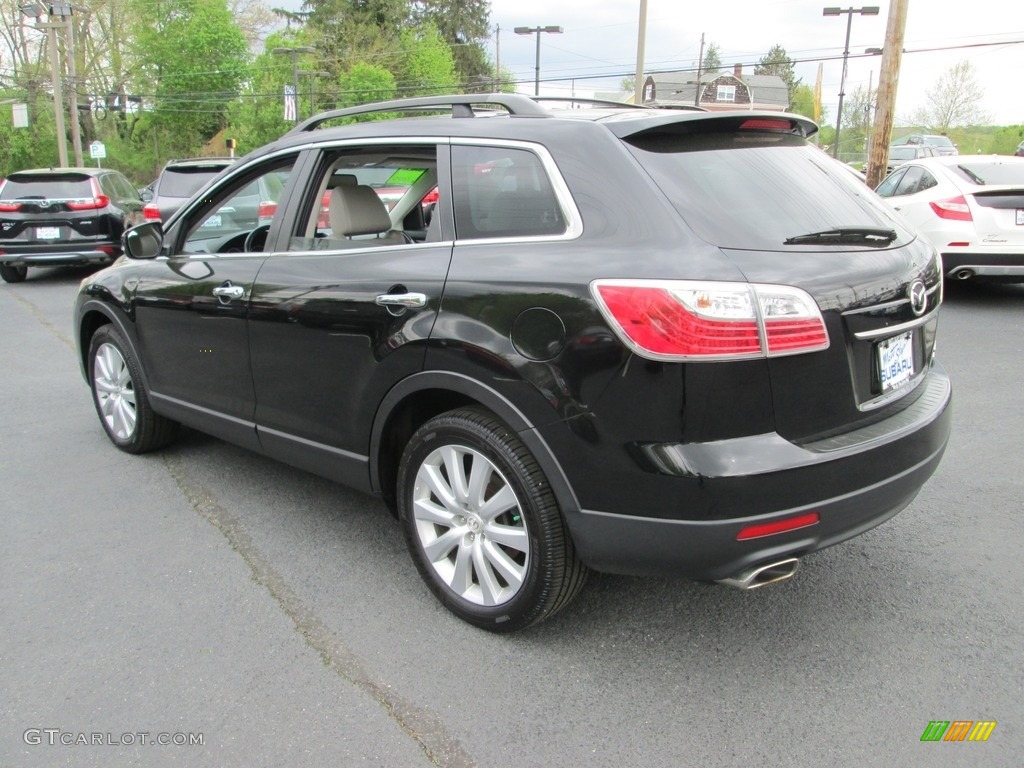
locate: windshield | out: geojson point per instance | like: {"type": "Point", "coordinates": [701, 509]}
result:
{"type": "Point", "coordinates": [754, 191]}
{"type": "Point", "coordinates": [62, 187]}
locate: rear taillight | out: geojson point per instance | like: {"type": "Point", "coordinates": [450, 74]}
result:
{"type": "Point", "coordinates": [954, 208]}
{"type": "Point", "coordinates": [9, 207]}
{"type": "Point", "coordinates": [151, 212]}
{"type": "Point", "coordinates": [266, 211]}
{"type": "Point", "coordinates": [323, 219]}
{"type": "Point", "coordinates": [99, 200]}
{"type": "Point", "coordinates": [431, 197]}
{"type": "Point", "coordinates": [682, 320]}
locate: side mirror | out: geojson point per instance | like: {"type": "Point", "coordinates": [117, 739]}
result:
{"type": "Point", "coordinates": [143, 241]}
{"type": "Point", "coordinates": [146, 194]}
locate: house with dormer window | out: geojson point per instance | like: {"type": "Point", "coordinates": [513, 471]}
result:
{"type": "Point", "coordinates": [717, 90]}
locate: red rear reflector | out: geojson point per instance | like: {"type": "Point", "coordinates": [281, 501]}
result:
{"type": "Point", "coordinates": [777, 526]}
{"type": "Point", "coordinates": [109, 249]}
{"type": "Point", "coordinates": [151, 212]}
{"type": "Point", "coordinates": [766, 124]}
{"type": "Point", "coordinates": [957, 245]}
{"type": "Point", "coordinates": [954, 208]}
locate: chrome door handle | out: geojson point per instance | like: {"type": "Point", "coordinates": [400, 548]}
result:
{"type": "Point", "coordinates": [229, 291]}
{"type": "Point", "coordinates": [401, 300]}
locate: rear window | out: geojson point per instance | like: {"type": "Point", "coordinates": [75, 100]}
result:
{"type": "Point", "coordinates": [939, 141]}
{"type": "Point", "coordinates": [184, 182]}
{"type": "Point", "coordinates": [991, 173]}
{"type": "Point", "coordinates": [754, 190]}
{"type": "Point", "coordinates": [70, 186]}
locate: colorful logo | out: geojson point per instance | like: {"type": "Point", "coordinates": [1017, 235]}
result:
{"type": "Point", "coordinates": [958, 730]}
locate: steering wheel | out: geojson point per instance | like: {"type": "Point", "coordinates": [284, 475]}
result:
{"type": "Point", "coordinates": [256, 239]}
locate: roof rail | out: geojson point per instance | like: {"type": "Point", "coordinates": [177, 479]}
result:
{"type": "Point", "coordinates": [461, 106]}
{"type": "Point", "coordinates": [595, 102]}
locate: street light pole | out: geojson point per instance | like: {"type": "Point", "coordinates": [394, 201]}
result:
{"type": "Point", "coordinates": [870, 10]}
{"type": "Point", "coordinates": [537, 31]}
{"type": "Point", "coordinates": [294, 53]}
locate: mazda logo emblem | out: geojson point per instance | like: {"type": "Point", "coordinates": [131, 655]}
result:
{"type": "Point", "coordinates": [918, 296]}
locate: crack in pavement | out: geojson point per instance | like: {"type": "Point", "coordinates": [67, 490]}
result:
{"type": "Point", "coordinates": [422, 725]}
{"type": "Point", "coordinates": [37, 313]}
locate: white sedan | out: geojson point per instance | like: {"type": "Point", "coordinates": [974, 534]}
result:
{"type": "Point", "coordinates": [970, 207]}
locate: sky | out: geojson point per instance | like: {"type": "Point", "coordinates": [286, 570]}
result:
{"type": "Point", "coordinates": [600, 39]}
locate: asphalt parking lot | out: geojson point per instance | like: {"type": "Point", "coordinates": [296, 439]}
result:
{"type": "Point", "coordinates": [205, 594]}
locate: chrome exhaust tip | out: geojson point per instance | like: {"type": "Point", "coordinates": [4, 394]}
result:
{"type": "Point", "coordinates": [770, 573]}
{"type": "Point", "coordinates": [964, 274]}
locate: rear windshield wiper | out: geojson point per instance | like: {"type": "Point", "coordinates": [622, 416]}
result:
{"type": "Point", "coordinates": [845, 236]}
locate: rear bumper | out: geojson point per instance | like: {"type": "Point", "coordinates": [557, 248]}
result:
{"type": "Point", "coordinates": [854, 482]}
{"type": "Point", "coordinates": [963, 265]}
{"type": "Point", "coordinates": [63, 255]}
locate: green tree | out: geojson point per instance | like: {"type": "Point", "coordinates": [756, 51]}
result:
{"type": "Point", "coordinates": [191, 59]}
{"type": "Point", "coordinates": [777, 62]}
{"type": "Point", "coordinates": [712, 59]}
{"type": "Point", "coordinates": [801, 101]}
{"type": "Point", "coordinates": [426, 65]}
{"type": "Point", "coordinates": [466, 26]}
{"type": "Point", "coordinates": [364, 83]}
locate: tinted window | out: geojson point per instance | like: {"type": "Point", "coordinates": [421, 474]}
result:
{"type": "Point", "coordinates": [184, 182]}
{"type": "Point", "coordinates": [503, 192]}
{"type": "Point", "coordinates": [912, 182]}
{"type": "Point", "coordinates": [902, 153]}
{"type": "Point", "coordinates": [888, 186]}
{"type": "Point", "coordinates": [755, 190]}
{"type": "Point", "coordinates": [69, 186]}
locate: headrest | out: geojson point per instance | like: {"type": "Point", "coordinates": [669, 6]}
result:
{"type": "Point", "coordinates": [356, 210]}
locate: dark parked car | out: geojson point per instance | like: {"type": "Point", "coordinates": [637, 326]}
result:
{"type": "Point", "coordinates": [63, 217]}
{"type": "Point", "coordinates": [941, 143]}
{"type": "Point", "coordinates": [904, 153]}
{"type": "Point", "coordinates": [725, 366]}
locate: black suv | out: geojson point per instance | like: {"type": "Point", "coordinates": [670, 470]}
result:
{"type": "Point", "coordinates": [624, 339]}
{"type": "Point", "coordinates": [63, 217]}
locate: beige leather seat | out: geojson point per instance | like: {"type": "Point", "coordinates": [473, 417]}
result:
{"type": "Point", "coordinates": [356, 211]}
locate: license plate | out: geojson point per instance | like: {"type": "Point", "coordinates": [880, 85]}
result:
{"type": "Point", "coordinates": [48, 233]}
{"type": "Point", "coordinates": [213, 221]}
{"type": "Point", "coordinates": [896, 360]}
{"type": "Point", "coordinates": [1020, 217]}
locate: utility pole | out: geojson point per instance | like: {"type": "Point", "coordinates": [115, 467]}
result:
{"type": "Point", "coordinates": [700, 63]}
{"type": "Point", "coordinates": [76, 134]}
{"type": "Point", "coordinates": [58, 93]}
{"type": "Point", "coordinates": [888, 79]}
{"type": "Point", "coordinates": [641, 41]}
{"type": "Point", "coordinates": [497, 58]}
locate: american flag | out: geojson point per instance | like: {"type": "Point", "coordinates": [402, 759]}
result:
{"type": "Point", "coordinates": [291, 111]}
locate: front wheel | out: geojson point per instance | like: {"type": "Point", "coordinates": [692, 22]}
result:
{"type": "Point", "coordinates": [121, 401]}
{"type": "Point", "coordinates": [482, 524]}
{"type": "Point", "coordinates": [13, 274]}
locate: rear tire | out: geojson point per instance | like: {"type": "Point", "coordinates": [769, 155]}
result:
{"type": "Point", "coordinates": [11, 274]}
{"type": "Point", "coordinates": [121, 400]}
{"type": "Point", "coordinates": [482, 525]}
